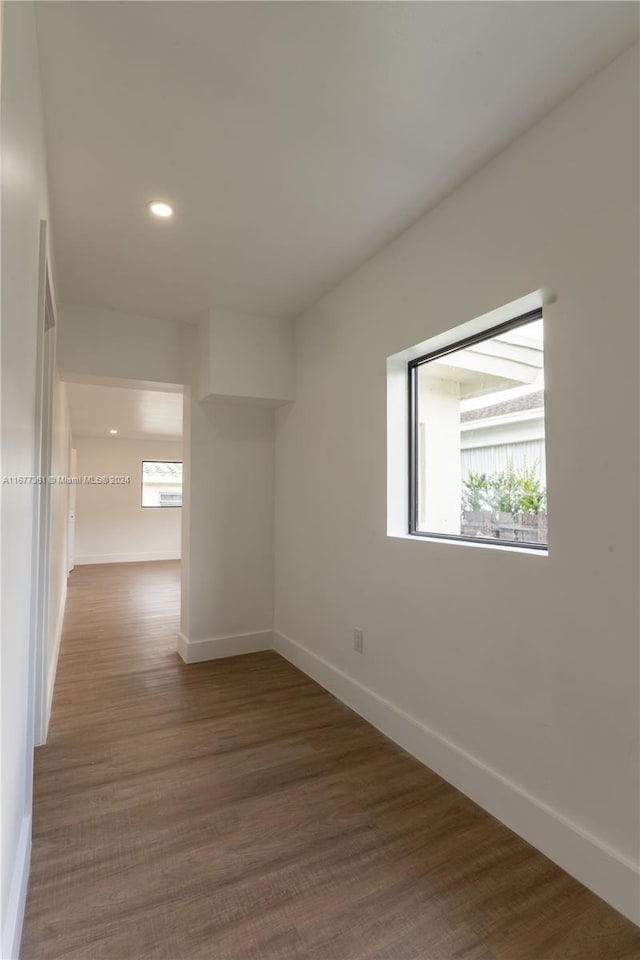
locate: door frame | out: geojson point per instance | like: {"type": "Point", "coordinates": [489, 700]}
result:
{"type": "Point", "coordinates": [71, 510]}
{"type": "Point", "coordinates": [41, 554]}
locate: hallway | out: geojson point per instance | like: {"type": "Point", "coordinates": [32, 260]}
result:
{"type": "Point", "coordinates": [234, 809]}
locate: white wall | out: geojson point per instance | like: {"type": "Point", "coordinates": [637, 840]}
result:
{"type": "Point", "coordinates": [227, 599]}
{"type": "Point", "coordinates": [514, 675]}
{"type": "Point", "coordinates": [24, 204]}
{"type": "Point", "coordinates": [101, 343]}
{"type": "Point", "coordinates": [248, 357]}
{"type": "Point", "coordinates": [111, 524]}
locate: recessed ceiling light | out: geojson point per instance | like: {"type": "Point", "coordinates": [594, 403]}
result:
{"type": "Point", "coordinates": [113, 431]}
{"type": "Point", "coordinates": [160, 209]}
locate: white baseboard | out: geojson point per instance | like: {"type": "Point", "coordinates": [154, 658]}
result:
{"type": "Point", "coordinates": [596, 865]}
{"type": "Point", "coordinates": [196, 651]}
{"type": "Point", "coordinates": [124, 557]}
{"type": "Point", "coordinates": [16, 901]}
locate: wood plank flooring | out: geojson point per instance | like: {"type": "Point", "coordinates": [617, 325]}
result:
{"type": "Point", "coordinates": [234, 810]}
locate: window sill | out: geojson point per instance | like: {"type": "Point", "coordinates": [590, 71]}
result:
{"type": "Point", "coordinates": [503, 547]}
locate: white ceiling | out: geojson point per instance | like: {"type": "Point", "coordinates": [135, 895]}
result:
{"type": "Point", "coordinates": [294, 139]}
{"type": "Point", "coordinates": [135, 414]}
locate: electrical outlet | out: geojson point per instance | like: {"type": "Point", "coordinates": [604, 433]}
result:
{"type": "Point", "coordinates": [358, 641]}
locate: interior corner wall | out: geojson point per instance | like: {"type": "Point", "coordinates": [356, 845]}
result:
{"type": "Point", "coordinates": [514, 675]}
{"type": "Point", "coordinates": [24, 205]}
{"type": "Point", "coordinates": [112, 526]}
{"type": "Point", "coordinates": [248, 358]}
{"type": "Point", "coordinates": [228, 588]}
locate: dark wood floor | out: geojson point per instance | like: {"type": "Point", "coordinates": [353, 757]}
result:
{"type": "Point", "coordinates": [234, 809]}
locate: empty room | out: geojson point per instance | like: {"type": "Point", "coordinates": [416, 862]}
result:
{"type": "Point", "coordinates": [320, 457]}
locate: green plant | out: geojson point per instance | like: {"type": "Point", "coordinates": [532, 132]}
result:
{"type": "Point", "coordinates": [533, 495]}
{"type": "Point", "coordinates": [518, 492]}
{"type": "Point", "coordinates": [475, 492]}
{"type": "Point", "coordinates": [504, 495]}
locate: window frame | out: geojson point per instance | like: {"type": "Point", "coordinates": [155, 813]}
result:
{"type": "Point", "coordinates": [413, 366]}
{"type": "Point", "coordinates": [158, 506]}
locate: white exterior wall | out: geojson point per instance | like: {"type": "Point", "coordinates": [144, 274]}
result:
{"type": "Point", "coordinates": [514, 675]}
{"type": "Point", "coordinates": [439, 453]}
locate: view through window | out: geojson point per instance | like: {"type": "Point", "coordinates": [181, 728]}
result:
{"type": "Point", "coordinates": [161, 483]}
{"type": "Point", "coordinates": [478, 466]}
